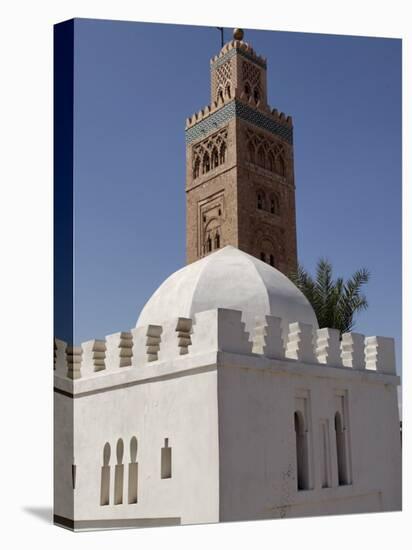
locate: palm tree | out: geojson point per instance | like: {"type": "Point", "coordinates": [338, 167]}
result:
{"type": "Point", "coordinates": [335, 301]}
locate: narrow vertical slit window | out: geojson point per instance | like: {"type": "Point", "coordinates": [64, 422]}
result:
{"type": "Point", "coordinates": [166, 461]}
{"type": "Point", "coordinates": [341, 455]}
{"type": "Point", "coordinates": [74, 471]}
{"type": "Point", "coordinates": [325, 454]}
{"type": "Point", "coordinates": [105, 477]}
{"type": "Point", "coordinates": [302, 458]}
{"type": "Point", "coordinates": [119, 473]}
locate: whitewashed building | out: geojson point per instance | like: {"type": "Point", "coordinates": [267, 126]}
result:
{"type": "Point", "coordinates": [224, 403]}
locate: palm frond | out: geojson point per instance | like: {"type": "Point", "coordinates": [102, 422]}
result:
{"type": "Point", "coordinates": [335, 302]}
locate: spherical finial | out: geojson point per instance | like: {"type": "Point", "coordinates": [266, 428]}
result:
{"type": "Point", "coordinates": [238, 34]}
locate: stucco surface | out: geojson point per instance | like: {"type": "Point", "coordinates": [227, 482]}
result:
{"type": "Point", "coordinates": [232, 279]}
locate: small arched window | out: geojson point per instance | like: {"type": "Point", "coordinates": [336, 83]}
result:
{"type": "Point", "coordinates": [209, 244]}
{"type": "Point", "coordinates": [263, 256]}
{"type": "Point", "coordinates": [133, 472]}
{"type": "Point", "coordinates": [119, 473]}
{"type": "Point", "coordinates": [105, 477]}
{"type": "Point", "coordinates": [220, 94]}
{"type": "Point", "coordinates": [259, 201]}
{"type": "Point", "coordinates": [215, 158]}
{"type": "Point", "coordinates": [196, 168]}
{"type": "Point", "coordinates": [247, 90]}
{"type": "Point", "coordinates": [228, 90]}
{"type": "Point", "coordinates": [217, 240]}
{"type": "Point", "coordinates": [272, 260]}
{"type": "Point", "coordinates": [206, 163]}
{"type": "Point", "coordinates": [222, 153]}
{"type": "Point", "coordinates": [256, 95]}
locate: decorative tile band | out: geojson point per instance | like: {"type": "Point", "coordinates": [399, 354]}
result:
{"type": "Point", "coordinates": [237, 108]}
{"type": "Point", "coordinates": [211, 122]}
{"type": "Point", "coordinates": [228, 55]}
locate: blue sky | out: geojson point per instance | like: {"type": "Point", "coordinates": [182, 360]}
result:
{"type": "Point", "coordinates": [135, 84]}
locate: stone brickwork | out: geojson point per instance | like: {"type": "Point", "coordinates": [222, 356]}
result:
{"type": "Point", "coordinates": [239, 166]}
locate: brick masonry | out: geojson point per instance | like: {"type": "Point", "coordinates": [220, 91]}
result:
{"type": "Point", "coordinates": [240, 193]}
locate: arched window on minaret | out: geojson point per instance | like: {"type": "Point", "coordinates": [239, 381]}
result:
{"type": "Point", "coordinates": [250, 152]}
{"type": "Point", "coordinates": [261, 200]}
{"type": "Point", "coordinates": [209, 244]}
{"type": "Point", "coordinates": [214, 158]}
{"type": "Point", "coordinates": [302, 458]}
{"type": "Point", "coordinates": [280, 165]}
{"type": "Point", "coordinates": [228, 91]}
{"type": "Point", "coordinates": [247, 89]}
{"type": "Point", "coordinates": [261, 157]}
{"type": "Point", "coordinates": [196, 168]}
{"type": "Point", "coordinates": [206, 163]}
{"type": "Point", "coordinates": [263, 256]}
{"type": "Point", "coordinates": [271, 162]}
{"type": "Point", "coordinates": [256, 94]}
{"type": "Point", "coordinates": [342, 463]}
{"type": "Point", "coordinates": [217, 240]}
{"type": "Point", "coordinates": [220, 95]}
{"type": "Point", "coordinates": [274, 204]}
{"type": "Point", "coordinates": [222, 154]}
{"type": "Point", "coordinates": [272, 260]}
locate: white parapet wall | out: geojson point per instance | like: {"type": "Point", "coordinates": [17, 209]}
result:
{"type": "Point", "coordinates": [224, 330]}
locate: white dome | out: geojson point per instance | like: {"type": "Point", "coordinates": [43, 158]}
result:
{"type": "Point", "coordinates": [232, 279]}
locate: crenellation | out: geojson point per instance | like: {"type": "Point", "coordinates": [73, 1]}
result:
{"type": "Point", "coordinates": [223, 330]}
{"type": "Point", "coordinates": [220, 330]}
{"type": "Point", "coordinates": [60, 358]}
{"type": "Point", "coordinates": [184, 330]}
{"type": "Point", "coordinates": [380, 354]}
{"type": "Point", "coordinates": [119, 350]}
{"type": "Point", "coordinates": [232, 336]}
{"type": "Point", "coordinates": [300, 343]}
{"type": "Point", "coordinates": [353, 350]}
{"type": "Point", "coordinates": [176, 338]}
{"type": "Point", "coordinates": [328, 347]}
{"type": "Point", "coordinates": [74, 361]}
{"type": "Point", "coordinates": [153, 339]}
{"type": "Point", "coordinates": [94, 354]}
{"type": "Point", "coordinates": [267, 339]}
{"type": "Point", "coordinates": [238, 99]}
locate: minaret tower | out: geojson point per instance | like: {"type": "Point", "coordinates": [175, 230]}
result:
{"type": "Point", "coordinates": [239, 165]}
